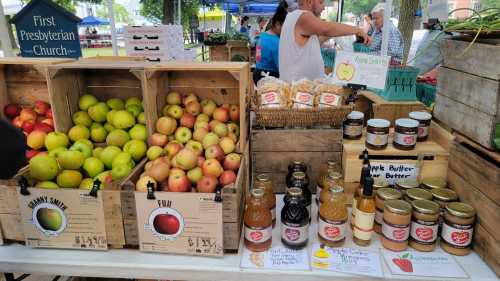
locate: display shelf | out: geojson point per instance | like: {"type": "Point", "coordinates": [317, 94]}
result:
{"type": "Point", "coordinates": [128, 263]}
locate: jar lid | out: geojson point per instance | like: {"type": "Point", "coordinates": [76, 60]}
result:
{"type": "Point", "coordinates": [406, 184]}
{"type": "Point", "coordinates": [444, 194]}
{"type": "Point", "coordinates": [420, 115]}
{"type": "Point", "coordinates": [334, 175]}
{"type": "Point", "coordinates": [356, 115]}
{"type": "Point", "coordinates": [418, 194]}
{"type": "Point", "coordinates": [425, 206]}
{"type": "Point", "coordinates": [398, 206]}
{"type": "Point", "coordinates": [294, 191]}
{"type": "Point", "coordinates": [380, 182]}
{"type": "Point", "coordinates": [388, 193]}
{"type": "Point", "coordinates": [378, 123]}
{"type": "Point", "coordinates": [433, 183]}
{"type": "Point", "coordinates": [332, 163]}
{"type": "Point", "coordinates": [298, 162]}
{"type": "Point", "coordinates": [336, 189]}
{"type": "Point", "coordinates": [263, 177]}
{"type": "Point", "coordinates": [299, 175]}
{"type": "Point", "coordinates": [407, 123]}
{"type": "Point", "coordinates": [258, 192]}
{"type": "Point", "coordinates": [460, 209]}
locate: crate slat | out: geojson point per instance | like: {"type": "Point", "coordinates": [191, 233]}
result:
{"type": "Point", "coordinates": [296, 140]}
{"type": "Point", "coordinates": [485, 245]}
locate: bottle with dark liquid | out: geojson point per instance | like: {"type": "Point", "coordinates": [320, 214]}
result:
{"type": "Point", "coordinates": [299, 180]}
{"type": "Point", "coordinates": [294, 220]}
{"type": "Point", "coordinates": [296, 166]}
{"type": "Point", "coordinates": [263, 181]}
{"type": "Point", "coordinates": [365, 171]}
{"type": "Point", "coordinates": [365, 215]}
{"type": "Point", "coordinates": [258, 223]}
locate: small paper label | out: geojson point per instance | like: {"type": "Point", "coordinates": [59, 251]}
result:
{"type": "Point", "coordinates": [327, 100]}
{"type": "Point", "coordinates": [270, 100]}
{"type": "Point", "coordinates": [363, 225]}
{"type": "Point", "coordinates": [398, 233]}
{"type": "Point", "coordinates": [353, 131]}
{"type": "Point", "coordinates": [405, 139]}
{"type": "Point", "coordinates": [377, 139]}
{"type": "Point", "coordinates": [424, 232]}
{"type": "Point", "coordinates": [258, 235]}
{"type": "Point", "coordinates": [423, 131]}
{"type": "Point", "coordinates": [303, 100]}
{"type": "Point", "coordinates": [294, 234]}
{"type": "Point", "coordinates": [457, 235]}
{"type": "Point", "coordinates": [332, 230]}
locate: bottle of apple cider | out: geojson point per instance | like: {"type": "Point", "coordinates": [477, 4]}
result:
{"type": "Point", "coordinates": [331, 166]}
{"type": "Point", "coordinates": [365, 171]}
{"type": "Point", "coordinates": [263, 181]}
{"type": "Point", "coordinates": [365, 215]}
{"type": "Point", "coordinates": [332, 224]}
{"type": "Point", "coordinates": [258, 223]}
{"type": "Point", "coordinates": [294, 220]}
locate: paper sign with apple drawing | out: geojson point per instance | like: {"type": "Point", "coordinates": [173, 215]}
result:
{"type": "Point", "coordinates": [404, 263]}
{"type": "Point", "coordinates": [345, 71]}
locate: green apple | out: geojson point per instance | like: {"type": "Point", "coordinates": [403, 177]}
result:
{"type": "Point", "coordinates": [98, 133]}
{"type": "Point", "coordinates": [86, 184]}
{"type": "Point", "coordinates": [115, 103]}
{"type": "Point", "coordinates": [132, 101]}
{"type": "Point", "coordinates": [110, 116]}
{"type": "Point", "coordinates": [173, 98]}
{"type": "Point", "coordinates": [154, 152]}
{"type": "Point", "coordinates": [55, 152]}
{"type": "Point", "coordinates": [104, 177]}
{"type": "Point", "coordinates": [136, 148]}
{"type": "Point", "coordinates": [43, 167]}
{"type": "Point", "coordinates": [138, 132]}
{"type": "Point", "coordinates": [83, 148]}
{"type": "Point", "coordinates": [203, 117]}
{"type": "Point", "coordinates": [93, 166]}
{"type": "Point", "coordinates": [123, 158]}
{"type": "Point", "coordinates": [69, 179]}
{"type": "Point", "coordinates": [134, 109]}
{"type": "Point", "coordinates": [194, 175]}
{"type": "Point", "coordinates": [120, 172]}
{"type": "Point", "coordinates": [208, 107]}
{"type": "Point", "coordinates": [78, 132]}
{"type": "Point", "coordinates": [87, 101]}
{"type": "Point", "coordinates": [108, 154]}
{"type": "Point", "coordinates": [220, 129]}
{"type": "Point", "coordinates": [86, 142]}
{"type": "Point", "coordinates": [175, 111]}
{"type": "Point", "coordinates": [47, 185]}
{"type": "Point", "coordinates": [82, 118]}
{"type": "Point", "coordinates": [195, 146]}
{"type": "Point", "coordinates": [164, 110]}
{"type": "Point", "coordinates": [97, 152]}
{"type": "Point", "coordinates": [56, 139]}
{"type": "Point", "coordinates": [70, 159]}
{"type": "Point", "coordinates": [123, 119]}
{"type": "Point", "coordinates": [109, 128]}
{"type": "Point", "coordinates": [200, 124]}
{"type": "Point", "coordinates": [209, 139]}
{"type": "Point", "coordinates": [142, 118]}
{"type": "Point", "coordinates": [98, 112]}
{"type": "Point", "coordinates": [117, 137]}
{"type": "Point", "coordinates": [183, 134]}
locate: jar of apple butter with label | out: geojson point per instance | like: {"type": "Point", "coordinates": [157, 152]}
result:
{"type": "Point", "coordinates": [353, 125]}
{"type": "Point", "coordinates": [396, 225]}
{"type": "Point", "coordinates": [377, 133]}
{"type": "Point", "coordinates": [443, 196]}
{"type": "Point", "coordinates": [458, 227]}
{"type": "Point", "coordinates": [424, 225]}
{"type": "Point", "coordinates": [382, 194]}
{"type": "Point", "coordinates": [424, 122]}
{"type": "Point", "coordinates": [417, 194]}
{"type": "Point", "coordinates": [405, 134]}
{"type": "Point", "coordinates": [403, 185]}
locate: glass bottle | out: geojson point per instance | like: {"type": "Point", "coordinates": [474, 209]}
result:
{"type": "Point", "coordinates": [294, 220]}
{"type": "Point", "coordinates": [365, 172]}
{"type": "Point", "coordinates": [334, 179]}
{"type": "Point", "coordinates": [296, 166]}
{"type": "Point", "coordinates": [263, 181]}
{"type": "Point", "coordinates": [331, 166]}
{"type": "Point", "coordinates": [258, 223]}
{"type": "Point", "coordinates": [365, 215]}
{"type": "Point", "coordinates": [332, 223]}
{"type": "Point", "coordinates": [299, 180]}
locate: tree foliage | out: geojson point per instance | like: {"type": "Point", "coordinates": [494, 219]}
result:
{"type": "Point", "coordinates": [359, 7]}
{"type": "Point", "coordinates": [69, 5]}
{"type": "Point", "coordinates": [163, 11]}
{"type": "Point", "coordinates": [121, 13]}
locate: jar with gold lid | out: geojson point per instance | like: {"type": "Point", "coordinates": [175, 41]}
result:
{"type": "Point", "coordinates": [382, 194]}
{"type": "Point", "coordinates": [458, 227]}
{"type": "Point", "coordinates": [353, 125]}
{"type": "Point", "coordinates": [332, 178]}
{"type": "Point", "coordinates": [424, 225]}
{"type": "Point", "coordinates": [379, 182]}
{"type": "Point", "coordinates": [417, 194]}
{"type": "Point", "coordinates": [264, 181]}
{"type": "Point", "coordinates": [403, 185]}
{"type": "Point", "coordinates": [331, 165]}
{"type": "Point", "coordinates": [377, 134]}
{"type": "Point", "coordinates": [396, 225]}
{"type": "Point", "coordinates": [433, 183]}
{"type": "Point", "coordinates": [443, 196]}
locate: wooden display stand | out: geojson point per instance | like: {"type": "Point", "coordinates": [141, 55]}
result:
{"type": "Point", "coordinates": [218, 53]}
{"type": "Point", "coordinates": [10, 216]}
{"type": "Point", "coordinates": [474, 173]}
{"type": "Point", "coordinates": [228, 51]}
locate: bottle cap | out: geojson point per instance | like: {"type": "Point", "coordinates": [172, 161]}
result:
{"type": "Point", "coordinates": [334, 175]}
{"type": "Point", "coordinates": [425, 206]}
{"type": "Point", "coordinates": [461, 210]}
{"type": "Point", "coordinates": [418, 194]}
{"type": "Point", "coordinates": [378, 123]}
{"type": "Point", "coordinates": [388, 193]}
{"type": "Point", "coordinates": [332, 163]}
{"type": "Point", "coordinates": [257, 192]}
{"type": "Point", "coordinates": [299, 175]}
{"type": "Point", "coordinates": [336, 189]}
{"type": "Point", "coordinates": [398, 206]}
{"type": "Point", "coordinates": [294, 191]}
{"type": "Point", "coordinates": [432, 183]}
{"type": "Point", "coordinates": [444, 194]}
{"type": "Point", "coordinates": [263, 177]}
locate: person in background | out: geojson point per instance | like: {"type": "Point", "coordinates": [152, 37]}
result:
{"type": "Point", "coordinates": [266, 54]}
{"type": "Point", "coordinates": [428, 55]}
{"type": "Point", "coordinates": [368, 24]}
{"type": "Point", "coordinates": [301, 37]}
{"type": "Point", "coordinates": [395, 47]}
{"type": "Point", "coordinates": [257, 30]}
{"type": "Point", "coordinates": [12, 149]}
{"type": "Point", "coordinates": [244, 24]}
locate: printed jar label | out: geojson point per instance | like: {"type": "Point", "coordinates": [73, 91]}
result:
{"type": "Point", "coordinates": [405, 139]}
{"type": "Point", "coordinates": [303, 100]}
{"type": "Point", "coordinates": [398, 233]}
{"type": "Point", "coordinates": [363, 225]}
{"type": "Point", "coordinates": [424, 232]}
{"type": "Point", "coordinates": [353, 130]}
{"type": "Point", "coordinates": [258, 235]}
{"type": "Point", "coordinates": [423, 131]}
{"type": "Point", "coordinates": [270, 100]}
{"type": "Point", "coordinates": [377, 139]}
{"type": "Point", "coordinates": [328, 100]}
{"type": "Point", "coordinates": [332, 230]}
{"type": "Point", "coordinates": [294, 234]}
{"type": "Point", "coordinates": [457, 235]}
{"type": "Point", "coordinates": [379, 216]}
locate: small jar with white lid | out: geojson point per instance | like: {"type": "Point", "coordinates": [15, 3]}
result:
{"type": "Point", "coordinates": [405, 134]}
{"type": "Point", "coordinates": [353, 125]}
{"type": "Point", "coordinates": [377, 133]}
{"type": "Point", "coordinates": [424, 122]}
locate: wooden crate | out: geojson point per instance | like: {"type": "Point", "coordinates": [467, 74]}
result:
{"type": "Point", "coordinates": [474, 173]}
{"type": "Point", "coordinates": [22, 82]}
{"type": "Point", "coordinates": [10, 215]}
{"type": "Point", "coordinates": [218, 53]}
{"type": "Point", "coordinates": [273, 150]}
{"type": "Point", "coordinates": [239, 50]}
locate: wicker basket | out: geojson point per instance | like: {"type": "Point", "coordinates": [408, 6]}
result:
{"type": "Point", "coordinates": [302, 117]}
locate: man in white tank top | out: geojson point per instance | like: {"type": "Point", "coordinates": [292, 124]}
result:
{"type": "Point", "coordinates": [301, 37]}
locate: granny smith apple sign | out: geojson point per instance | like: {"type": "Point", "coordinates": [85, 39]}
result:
{"type": "Point", "coordinates": [48, 215]}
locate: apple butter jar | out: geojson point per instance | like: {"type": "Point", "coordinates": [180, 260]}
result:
{"type": "Point", "coordinates": [396, 225]}
{"type": "Point", "coordinates": [458, 226]}
{"type": "Point", "coordinates": [413, 194]}
{"type": "Point", "coordinates": [403, 185]}
{"type": "Point", "coordinates": [405, 134]}
{"type": "Point", "coordinates": [353, 125]}
{"type": "Point", "coordinates": [377, 133]}
{"type": "Point", "coordinates": [443, 196]}
{"type": "Point", "coordinates": [433, 183]}
{"type": "Point", "coordinates": [424, 225]}
{"type": "Point", "coordinates": [384, 193]}
{"type": "Point", "coordinates": [424, 122]}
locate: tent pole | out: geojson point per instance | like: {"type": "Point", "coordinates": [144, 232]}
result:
{"type": "Point", "coordinates": [4, 34]}
{"type": "Point", "coordinates": [111, 14]}
{"type": "Point", "coordinates": [179, 18]}
{"type": "Point", "coordinates": [385, 31]}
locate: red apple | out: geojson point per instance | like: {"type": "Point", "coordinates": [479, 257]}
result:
{"type": "Point", "coordinates": [18, 122]}
{"type": "Point", "coordinates": [187, 120]}
{"type": "Point", "coordinates": [225, 106]}
{"type": "Point", "coordinates": [207, 184]}
{"type": "Point", "coordinates": [43, 127]}
{"type": "Point", "coordinates": [232, 162]}
{"type": "Point", "coordinates": [41, 107]}
{"type": "Point", "coordinates": [31, 153]}
{"type": "Point", "coordinates": [201, 159]}
{"type": "Point", "coordinates": [199, 134]}
{"type": "Point", "coordinates": [212, 167]}
{"type": "Point", "coordinates": [214, 151]}
{"type": "Point", "coordinates": [193, 107]}
{"type": "Point", "coordinates": [166, 224]}
{"type": "Point", "coordinates": [221, 114]}
{"type": "Point", "coordinates": [212, 124]}
{"type": "Point", "coordinates": [158, 140]}
{"type": "Point", "coordinates": [27, 114]}
{"type": "Point", "coordinates": [166, 125]}
{"type": "Point", "coordinates": [179, 183]}
{"type": "Point", "coordinates": [28, 126]}
{"type": "Point", "coordinates": [48, 113]}
{"type": "Point", "coordinates": [177, 171]}
{"type": "Point", "coordinates": [11, 111]}
{"type": "Point", "coordinates": [227, 177]}
{"type": "Point", "coordinates": [172, 149]}
{"type": "Point", "coordinates": [234, 113]}
{"type": "Point", "coordinates": [189, 98]}
{"type": "Point", "coordinates": [48, 121]}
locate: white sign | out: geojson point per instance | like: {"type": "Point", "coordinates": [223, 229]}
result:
{"type": "Point", "coordinates": [392, 172]}
{"type": "Point", "coordinates": [438, 9]}
{"type": "Point", "coordinates": [347, 260]}
{"type": "Point", "coordinates": [360, 68]}
{"type": "Point", "coordinates": [278, 257]}
{"type": "Point", "coordinates": [155, 43]}
{"type": "Point", "coordinates": [433, 264]}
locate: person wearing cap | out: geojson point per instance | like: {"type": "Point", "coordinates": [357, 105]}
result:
{"type": "Point", "coordinates": [395, 45]}
{"type": "Point", "coordinates": [301, 38]}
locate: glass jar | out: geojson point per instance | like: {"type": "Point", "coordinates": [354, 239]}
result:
{"type": "Point", "coordinates": [258, 230]}
{"type": "Point", "coordinates": [396, 225]}
{"type": "Point", "coordinates": [424, 123]}
{"type": "Point", "coordinates": [458, 226]}
{"type": "Point", "coordinates": [263, 181]}
{"type": "Point", "coordinates": [405, 134]}
{"type": "Point", "coordinates": [296, 166]}
{"type": "Point", "coordinates": [379, 182]}
{"type": "Point", "coordinates": [331, 165]}
{"type": "Point", "coordinates": [403, 185]}
{"type": "Point", "coordinates": [433, 183]}
{"type": "Point", "coordinates": [294, 220]}
{"type": "Point", "coordinates": [424, 225]}
{"type": "Point", "coordinates": [417, 194]}
{"type": "Point", "coordinates": [299, 180]}
{"type": "Point", "coordinates": [382, 194]}
{"type": "Point", "coordinates": [377, 133]}
{"type": "Point", "coordinates": [353, 125]}
{"type": "Point", "coordinates": [332, 223]}
{"type": "Point", "coordinates": [334, 179]}
{"type": "Point", "coordinates": [443, 196]}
